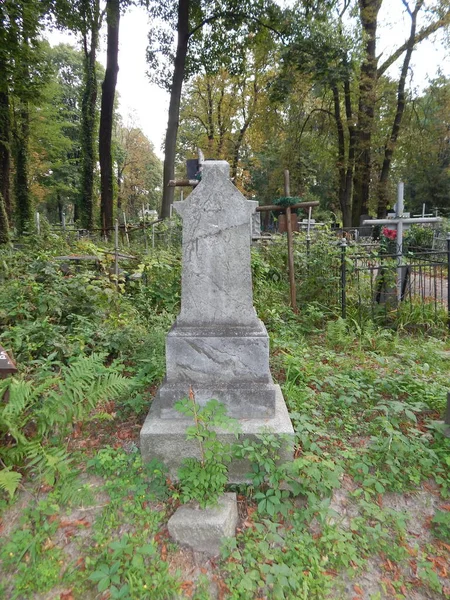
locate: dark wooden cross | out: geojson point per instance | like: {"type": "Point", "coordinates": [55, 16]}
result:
{"type": "Point", "coordinates": [290, 241]}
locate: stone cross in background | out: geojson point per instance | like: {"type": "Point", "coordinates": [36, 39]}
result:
{"type": "Point", "coordinates": [217, 346]}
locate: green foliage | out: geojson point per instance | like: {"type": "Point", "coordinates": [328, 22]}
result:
{"type": "Point", "coordinates": [267, 474]}
{"type": "Point", "coordinates": [204, 479]}
{"type": "Point", "coordinates": [441, 524]}
{"type": "Point", "coordinates": [9, 481]}
{"type": "Point", "coordinates": [40, 410]}
{"type": "Point", "coordinates": [418, 237]}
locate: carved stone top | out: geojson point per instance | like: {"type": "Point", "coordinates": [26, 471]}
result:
{"type": "Point", "coordinates": [216, 273]}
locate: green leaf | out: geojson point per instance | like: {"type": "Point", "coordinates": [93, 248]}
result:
{"type": "Point", "coordinates": [9, 481]}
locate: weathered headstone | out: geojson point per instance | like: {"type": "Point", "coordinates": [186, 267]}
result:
{"type": "Point", "coordinates": [217, 346]}
{"type": "Point", "coordinates": [256, 226]}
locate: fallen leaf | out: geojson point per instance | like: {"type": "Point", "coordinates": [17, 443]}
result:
{"type": "Point", "coordinates": [358, 589]}
{"type": "Point", "coordinates": [411, 551]}
{"type": "Point", "coordinates": [75, 523]}
{"type": "Point", "coordinates": [48, 544]}
{"type": "Point", "coordinates": [164, 552]}
{"type": "Point", "coordinates": [66, 595]}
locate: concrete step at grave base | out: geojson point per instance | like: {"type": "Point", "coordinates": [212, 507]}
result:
{"type": "Point", "coordinates": [165, 439]}
{"type": "Point", "coordinates": [243, 400]}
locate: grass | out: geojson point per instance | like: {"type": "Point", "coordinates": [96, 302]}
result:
{"type": "Point", "coordinates": [366, 511]}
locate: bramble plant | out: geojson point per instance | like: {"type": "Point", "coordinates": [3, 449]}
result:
{"type": "Point", "coordinates": [204, 479]}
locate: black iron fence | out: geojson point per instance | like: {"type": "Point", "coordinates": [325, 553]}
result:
{"type": "Point", "coordinates": [363, 281]}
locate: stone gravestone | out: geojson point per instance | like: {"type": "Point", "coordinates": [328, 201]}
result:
{"type": "Point", "coordinates": [217, 346]}
{"type": "Point", "coordinates": [256, 226]}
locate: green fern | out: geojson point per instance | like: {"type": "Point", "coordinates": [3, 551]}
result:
{"type": "Point", "coordinates": [33, 413]}
{"type": "Point", "coordinates": [9, 481]}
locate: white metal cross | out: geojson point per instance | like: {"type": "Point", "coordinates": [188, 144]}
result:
{"type": "Point", "coordinates": [399, 221]}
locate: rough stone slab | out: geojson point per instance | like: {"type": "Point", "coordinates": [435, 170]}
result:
{"type": "Point", "coordinates": [224, 355]}
{"type": "Point", "coordinates": [242, 400]}
{"type": "Point", "coordinates": [203, 529]}
{"type": "Point", "coordinates": [165, 439]}
{"type": "Point", "coordinates": [216, 280]}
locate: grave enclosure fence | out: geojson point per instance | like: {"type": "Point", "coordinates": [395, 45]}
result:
{"type": "Point", "coordinates": [362, 282]}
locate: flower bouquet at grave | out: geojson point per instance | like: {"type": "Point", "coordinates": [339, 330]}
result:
{"type": "Point", "coordinates": [388, 241]}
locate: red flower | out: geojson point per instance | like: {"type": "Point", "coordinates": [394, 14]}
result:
{"type": "Point", "coordinates": [391, 234]}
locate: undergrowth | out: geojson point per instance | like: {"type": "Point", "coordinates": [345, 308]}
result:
{"type": "Point", "coordinates": [365, 403]}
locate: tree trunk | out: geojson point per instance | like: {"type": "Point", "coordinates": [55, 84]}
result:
{"type": "Point", "coordinates": [347, 200]}
{"type": "Point", "coordinates": [383, 193]}
{"type": "Point", "coordinates": [4, 226]}
{"type": "Point", "coordinates": [346, 214]}
{"type": "Point", "coordinates": [174, 106]}
{"type": "Point", "coordinates": [220, 124]}
{"type": "Point", "coordinates": [247, 121]}
{"type": "Point", "coordinates": [5, 146]}
{"type": "Point", "coordinates": [22, 194]}
{"type": "Point", "coordinates": [107, 114]}
{"type": "Point", "coordinates": [211, 129]}
{"type": "Point", "coordinates": [5, 119]}
{"type": "Point", "coordinates": [88, 113]}
{"type": "Point", "coordinates": [369, 10]}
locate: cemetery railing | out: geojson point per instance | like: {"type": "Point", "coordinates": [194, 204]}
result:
{"type": "Point", "coordinates": [384, 287]}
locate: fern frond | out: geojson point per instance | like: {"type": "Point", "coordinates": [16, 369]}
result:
{"type": "Point", "coordinates": [9, 481]}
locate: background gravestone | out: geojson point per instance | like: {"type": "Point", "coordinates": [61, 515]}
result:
{"type": "Point", "coordinates": [217, 346]}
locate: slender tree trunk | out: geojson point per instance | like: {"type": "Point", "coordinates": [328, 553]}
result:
{"type": "Point", "coordinates": [60, 207]}
{"type": "Point", "coordinates": [220, 123]}
{"type": "Point", "coordinates": [243, 130]}
{"type": "Point", "coordinates": [383, 193]}
{"type": "Point", "coordinates": [88, 114]}
{"type": "Point", "coordinates": [5, 118]}
{"type": "Point", "coordinates": [174, 106]}
{"type": "Point", "coordinates": [211, 131]}
{"type": "Point", "coordinates": [4, 225]}
{"type": "Point", "coordinates": [5, 145]}
{"type": "Point", "coordinates": [107, 114]}
{"type": "Point", "coordinates": [369, 10]}
{"type": "Point", "coordinates": [347, 200]}
{"type": "Point", "coordinates": [22, 193]}
{"type": "Point", "coordinates": [346, 215]}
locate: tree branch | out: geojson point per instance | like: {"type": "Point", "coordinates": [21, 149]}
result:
{"type": "Point", "coordinates": [234, 15]}
{"type": "Point", "coordinates": [419, 37]}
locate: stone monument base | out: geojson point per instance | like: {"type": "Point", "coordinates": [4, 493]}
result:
{"type": "Point", "coordinates": [165, 439]}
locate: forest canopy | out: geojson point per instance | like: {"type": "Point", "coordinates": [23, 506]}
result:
{"type": "Point", "coordinates": [303, 87]}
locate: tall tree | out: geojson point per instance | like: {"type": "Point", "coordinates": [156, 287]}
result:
{"type": "Point", "coordinates": [91, 18]}
{"type": "Point", "coordinates": [389, 148]}
{"type": "Point", "coordinates": [216, 31]}
{"type": "Point", "coordinates": [174, 105]}
{"type": "Point", "coordinates": [29, 74]}
{"type": "Point", "coordinates": [139, 170]}
{"type": "Point", "coordinates": [368, 14]}
{"type": "Point", "coordinates": [55, 134]}
{"type": "Point", "coordinates": [107, 113]}
{"type": "Point", "coordinates": [5, 120]}
{"type": "Point", "coordinates": [337, 68]}
{"type": "Point", "coordinates": [84, 17]}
